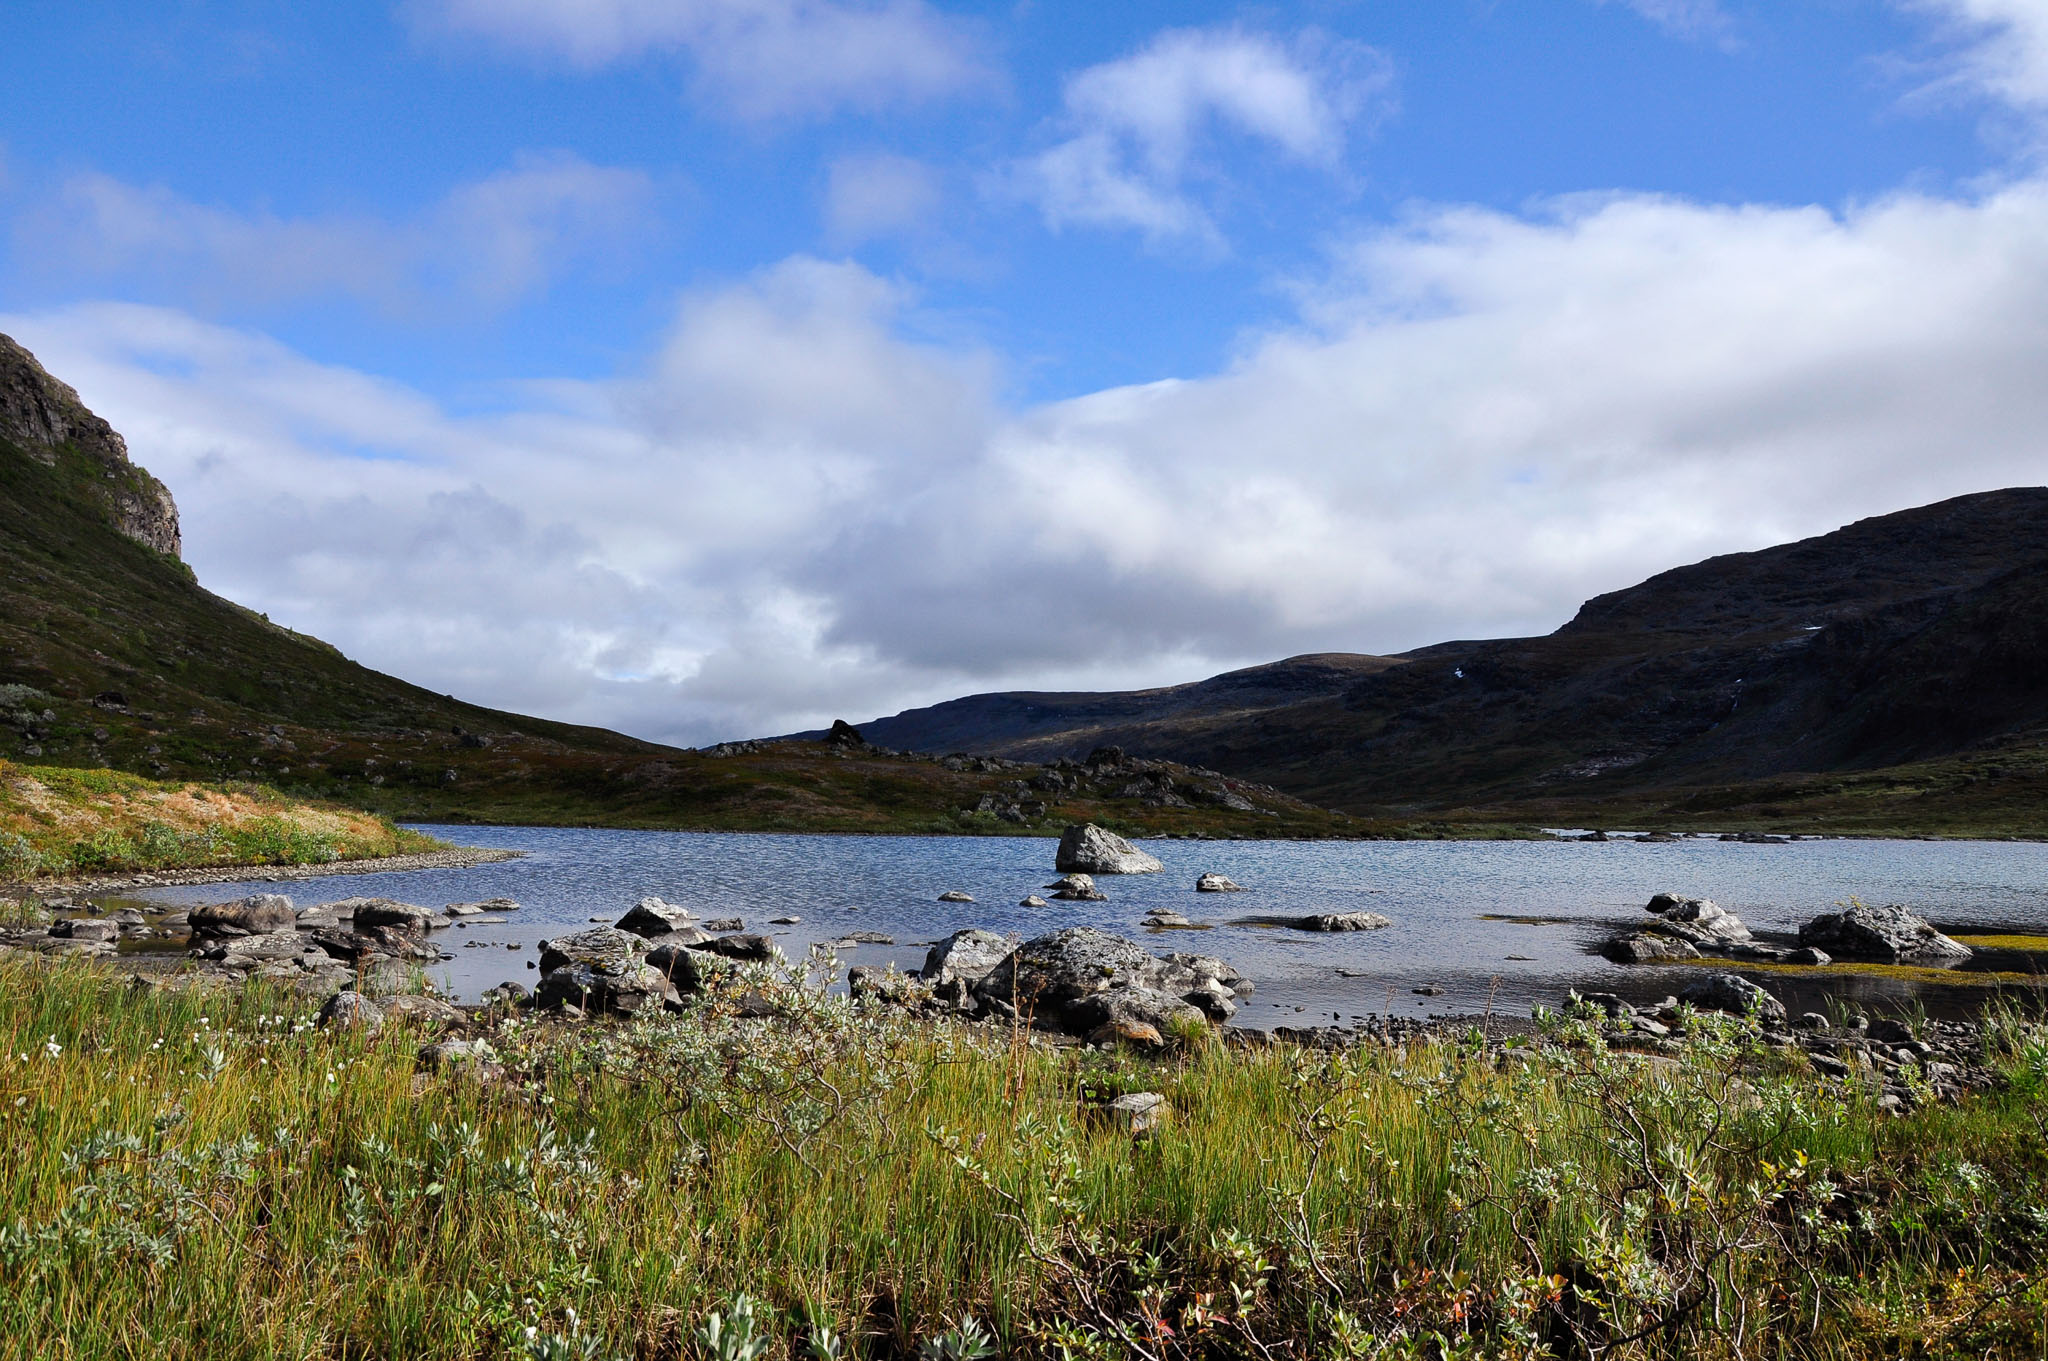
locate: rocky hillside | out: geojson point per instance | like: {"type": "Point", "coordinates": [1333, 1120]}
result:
{"type": "Point", "coordinates": [1914, 639]}
{"type": "Point", "coordinates": [112, 655]}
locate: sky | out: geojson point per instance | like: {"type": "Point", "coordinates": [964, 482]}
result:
{"type": "Point", "coordinates": [714, 368]}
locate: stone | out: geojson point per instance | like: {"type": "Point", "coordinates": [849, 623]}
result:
{"type": "Point", "coordinates": [1162, 917]}
{"type": "Point", "coordinates": [1216, 883]}
{"type": "Point", "coordinates": [865, 983]}
{"type": "Point", "coordinates": [407, 919]}
{"type": "Point", "coordinates": [1032, 900]}
{"type": "Point", "coordinates": [691, 970]}
{"type": "Point", "coordinates": [1698, 920]}
{"type": "Point", "coordinates": [725, 924]}
{"type": "Point", "coordinates": [1810, 1020]}
{"type": "Point", "coordinates": [751, 949]}
{"type": "Point", "coordinates": [785, 921]}
{"type": "Point", "coordinates": [463, 910]}
{"type": "Point", "coordinates": [86, 928]}
{"type": "Point", "coordinates": [602, 946]}
{"type": "Point", "coordinates": [1139, 1114]}
{"type": "Point", "coordinates": [351, 1011]}
{"type": "Point", "coordinates": [255, 915]}
{"type": "Point", "coordinates": [652, 917]}
{"type": "Point", "coordinates": [626, 989]}
{"type": "Point", "coordinates": [414, 1008]}
{"type": "Point", "coordinates": [1135, 1034]}
{"type": "Point", "coordinates": [484, 905]}
{"type": "Point", "coordinates": [1140, 1005]}
{"type": "Point", "coordinates": [1806, 954]}
{"type": "Point", "coordinates": [475, 1057]}
{"type": "Point", "coordinates": [1885, 935]}
{"type": "Point", "coordinates": [1342, 921]}
{"type": "Point", "coordinates": [1736, 995]}
{"type": "Point", "coordinates": [870, 938]}
{"type": "Point", "coordinates": [1088, 849]}
{"type": "Point", "coordinates": [954, 895]}
{"type": "Point", "coordinates": [954, 965]}
{"type": "Point", "coordinates": [1079, 979]}
{"type": "Point", "coordinates": [1640, 947]}
{"type": "Point", "coordinates": [1077, 888]}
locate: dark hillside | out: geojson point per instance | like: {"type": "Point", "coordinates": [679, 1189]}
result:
{"type": "Point", "coordinates": [1907, 638]}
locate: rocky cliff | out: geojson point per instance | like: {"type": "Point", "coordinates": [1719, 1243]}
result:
{"type": "Point", "coordinates": [44, 419]}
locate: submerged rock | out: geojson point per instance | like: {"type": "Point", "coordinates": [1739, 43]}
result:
{"type": "Point", "coordinates": [1216, 883]}
{"type": "Point", "coordinates": [1343, 921]}
{"type": "Point", "coordinates": [1088, 849]}
{"type": "Point", "coordinates": [1077, 888]}
{"type": "Point", "coordinates": [954, 895]}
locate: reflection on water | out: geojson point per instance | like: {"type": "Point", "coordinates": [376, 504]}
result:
{"type": "Point", "coordinates": [1505, 924]}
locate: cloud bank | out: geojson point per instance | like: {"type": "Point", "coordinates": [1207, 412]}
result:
{"type": "Point", "coordinates": [790, 512]}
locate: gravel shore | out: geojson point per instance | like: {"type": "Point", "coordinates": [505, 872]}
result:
{"type": "Point", "coordinates": [455, 858]}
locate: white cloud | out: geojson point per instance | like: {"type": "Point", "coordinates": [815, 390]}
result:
{"type": "Point", "coordinates": [879, 195]}
{"type": "Point", "coordinates": [790, 513]}
{"type": "Point", "coordinates": [1133, 125]}
{"type": "Point", "coordinates": [2005, 52]}
{"type": "Point", "coordinates": [1686, 18]}
{"type": "Point", "coordinates": [759, 58]}
{"type": "Point", "coordinates": [488, 242]}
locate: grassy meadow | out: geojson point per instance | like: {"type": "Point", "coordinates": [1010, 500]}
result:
{"type": "Point", "coordinates": [206, 1173]}
{"type": "Point", "coordinates": [56, 821]}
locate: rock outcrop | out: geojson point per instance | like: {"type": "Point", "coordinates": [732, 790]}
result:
{"type": "Point", "coordinates": [258, 914]}
{"type": "Point", "coordinates": [1088, 849]}
{"type": "Point", "coordinates": [1885, 935]}
{"type": "Point", "coordinates": [1080, 980]}
{"type": "Point", "coordinates": [1342, 921]}
{"type": "Point", "coordinates": [41, 415]}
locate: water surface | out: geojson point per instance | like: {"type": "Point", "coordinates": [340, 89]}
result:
{"type": "Point", "coordinates": [1504, 924]}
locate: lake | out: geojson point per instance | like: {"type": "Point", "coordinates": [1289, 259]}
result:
{"type": "Point", "coordinates": [1503, 924]}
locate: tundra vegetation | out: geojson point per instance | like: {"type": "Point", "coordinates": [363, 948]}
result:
{"type": "Point", "coordinates": [782, 1172]}
{"type": "Point", "coordinates": [57, 822]}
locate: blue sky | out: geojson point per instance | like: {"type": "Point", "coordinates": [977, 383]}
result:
{"type": "Point", "coordinates": [713, 367]}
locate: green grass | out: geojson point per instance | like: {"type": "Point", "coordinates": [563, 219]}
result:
{"type": "Point", "coordinates": [203, 1175]}
{"type": "Point", "coordinates": [56, 822]}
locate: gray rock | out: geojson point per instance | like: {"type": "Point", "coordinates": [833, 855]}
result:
{"type": "Point", "coordinates": [886, 986]}
{"type": "Point", "coordinates": [407, 919]}
{"type": "Point", "coordinates": [604, 946]}
{"type": "Point", "coordinates": [652, 917]}
{"type": "Point", "coordinates": [475, 1057]}
{"type": "Point", "coordinates": [414, 1008]}
{"type": "Point", "coordinates": [725, 924]}
{"type": "Point", "coordinates": [352, 1011]}
{"type": "Point", "coordinates": [255, 915]}
{"type": "Point", "coordinates": [626, 989]}
{"type": "Point", "coordinates": [747, 948]}
{"type": "Point", "coordinates": [1081, 979]}
{"type": "Point", "coordinates": [1810, 1020]}
{"type": "Point", "coordinates": [1139, 1114]}
{"type": "Point", "coordinates": [870, 938]}
{"type": "Point", "coordinates": [1735, 995]}
{"type": "Point", "coordinates": [1032, 900]}
{"type": "Point", "coordinates": [785, 921]}
{"type": "Point", "coordinates": [1160, 917]}
{"type": "Point", "coordinates": [1640, 947]}
{"type": "Point", "coordinates": [1216, 883]}
{"type": "Point", "coordinates": [1342, 921]}
{"type": "Point", "coordinates": [86, 928]}
{"type": "Point", "coordinates": [690, 969]}
{"type": "Point", "coordinates": [1130, 1006]}
{"type": "Point", "coordinates": [954, 965]}
{"type": "Point", "coordinates": [1886, 935]}
{"type": "Point", "coordinates": [1088, 849]}
{"type": "Point", "coordinates": [1806, 954]}
{"type": "Point", "coordinates": [954, 895]}
{"type": "Point", "coordinates": [1698, 920]}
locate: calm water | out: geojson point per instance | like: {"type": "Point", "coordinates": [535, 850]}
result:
{"type": "Point", "coordinates": [1508, 922]}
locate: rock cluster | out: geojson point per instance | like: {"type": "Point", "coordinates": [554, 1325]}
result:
{"type": "Point", "coordinates": [1692, 928]}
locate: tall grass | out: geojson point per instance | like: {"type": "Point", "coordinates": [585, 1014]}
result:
{"type": "Point", "coordinates": [203, 1174]}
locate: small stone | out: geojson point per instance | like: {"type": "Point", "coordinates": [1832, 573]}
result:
{"type": "Point", "coordinates": [954, 895]}
{"type": "Point", "coordinates": [1216, 883]}
{"type": "Point", "coordinates": [785, 921]}
{"type": "Point", "coordinates": [1032, 900]}
{"type": "Point", "coordinates": [1143, 1114]}
{"type": "Point", "coordinates": [351, 1011]}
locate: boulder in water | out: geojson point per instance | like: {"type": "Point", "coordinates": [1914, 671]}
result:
{"type": "Point", "coordinates": [1886, 935]}
{"type": "Point", "coordinates": [1088, 849]}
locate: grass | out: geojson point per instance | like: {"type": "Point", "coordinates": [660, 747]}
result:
{"type": "Point", "coordinates": [56, 822]}
{"type": "Point", "coordinates": [207, 1175]}
{"type": "Point", "coordinates": [2006, 942]}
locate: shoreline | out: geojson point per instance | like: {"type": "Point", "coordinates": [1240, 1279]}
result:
{"type": "Point", "coordinates": [454, 858]}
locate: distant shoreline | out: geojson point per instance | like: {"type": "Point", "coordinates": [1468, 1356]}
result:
{"type": "Point", "coordinates": [454, 858]}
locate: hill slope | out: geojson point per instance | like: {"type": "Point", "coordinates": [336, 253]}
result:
{"type": "Point", "coordinates": [1907, 639]}
{"type": "Point", "coordinates": [112, 655]}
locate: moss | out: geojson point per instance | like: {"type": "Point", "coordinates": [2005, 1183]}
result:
{"type": "Point", "coordinates": [1911, 973]}
{"type": "Point", "coordinates": [2037, 944]}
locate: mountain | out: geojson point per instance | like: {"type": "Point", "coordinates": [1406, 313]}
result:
{"type": "Point", "coordinates": [112, 655]}
{"type": "Point", "coordinates": [1907, 639]}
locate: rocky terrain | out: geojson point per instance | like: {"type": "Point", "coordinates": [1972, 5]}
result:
{"type": "Point", "coordinates": [1891, 671]}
